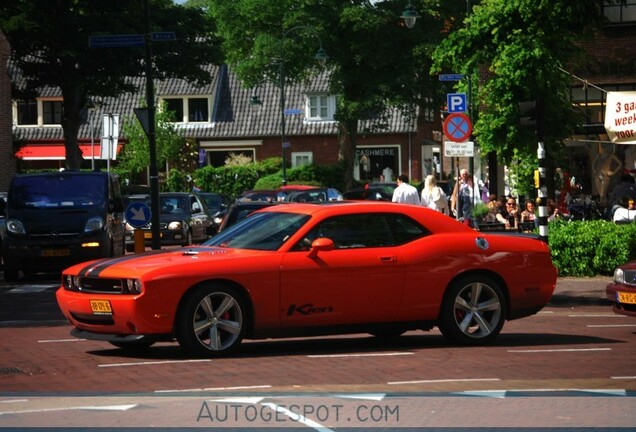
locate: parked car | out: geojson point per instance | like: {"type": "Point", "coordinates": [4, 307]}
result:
{"type": "Point", "coordinates": [270, 195]}
{"type": "Point", "coordinates": [240, 210]}
{"type": "Point", "coordinates": [56, 219]}
{"type": "Point", "coordinates": [217, 206]}
{"type": "Point", "coordinates": [622, 290]}
{"type": "Point", "coordinates": [183, 219]}
{"type": "Point", "coordinates": [314, 195]}
{"type": "Point", "coordinates": [371, 192]}
{"type": "Point", "coordinates": [310, 269]}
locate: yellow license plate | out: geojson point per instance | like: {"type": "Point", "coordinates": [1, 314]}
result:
{"type": "Point", "coordinates": [55, 252]}
{"type": "Point", "coordinates": [148, 235]}
{"type": "Point", "coordinates": [101, 307]}
{"type": "Point", "coordinates": [623, 297]}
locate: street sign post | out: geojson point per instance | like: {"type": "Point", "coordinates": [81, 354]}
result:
{"type": "Point", "coordinates": [116, 41]}
{"type": "Point", "coordinates": [451, 77]}
{"type": "Point", "coordinates": [138, 215]}
{"type": "Point", "coordinates": [456, 102]}
{"type": "Point", "coordinates": [459, 149]}
{"type": "Point", "coordinates": [457, 127]}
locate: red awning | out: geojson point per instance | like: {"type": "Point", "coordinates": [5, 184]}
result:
{"type": "Point", "coordinates": [57, 152]}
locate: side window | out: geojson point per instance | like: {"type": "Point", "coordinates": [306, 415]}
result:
{"type": "Point", "coordinates": [404, 229]}
{"type": "Point", "coordinates": [352, 232]}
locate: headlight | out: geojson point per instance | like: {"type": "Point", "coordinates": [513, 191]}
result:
{"type": "Point", "coordinates": [619, 276]}
{"type": "Point", "coordinates": [15, 226]}
{"type": "Point", "coordinates": [94, 224]}
{"type": "Point", "coordinates": [174, 225]}
{"type": "Point", "coordinates": [71, 282]}
{"type": "Point", "coordinates": [134, 286]}
{"type": "Point", "coordinates": [218, 220]}
{"type": "Point", "coordinates": [129, 227]}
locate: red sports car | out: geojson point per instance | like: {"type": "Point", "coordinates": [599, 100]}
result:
{"type": "Point", "coordinates": [312, 269]}
{"type": "Point", "coordinates": [622, 291]}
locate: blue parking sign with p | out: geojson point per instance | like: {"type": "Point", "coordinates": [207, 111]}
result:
{"type": "Point", "coordinates": [456, 102]}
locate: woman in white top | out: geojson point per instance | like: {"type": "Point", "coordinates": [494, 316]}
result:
{"type": "Point", "coordinates": [433, 196]}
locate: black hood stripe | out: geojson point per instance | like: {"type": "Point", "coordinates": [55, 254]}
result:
{"type": "Point", "coordinates": [94, 269]}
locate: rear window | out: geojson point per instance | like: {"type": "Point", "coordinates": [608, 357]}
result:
{"type": "Point", "coordinates": [57, 190]}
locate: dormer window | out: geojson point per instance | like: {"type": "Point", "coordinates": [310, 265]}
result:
{"type": "Point", "coordinates": [189, 109]}
{"type": "Point", "coordinates": [320, 107]}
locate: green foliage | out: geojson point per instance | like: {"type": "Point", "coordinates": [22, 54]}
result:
{"type": "Point", "coordinates": [590, 248]}
{"type": "Point", "coordinates": [49, 46]}
{"type": "Point", "coordinates": [233, 180]}
{"type": "Point", "coordinates": [176, 181]}
{"type": "Point", "coordinates": [480, 210]}
{"type": "Point", "coordinates": [518, 46]}
{"type": "Point", "coordinates": [374, 60]}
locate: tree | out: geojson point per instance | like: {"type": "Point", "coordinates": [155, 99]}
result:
{"type": "Point", "coordinates": [49, 42]}
{"type": "Point", "coordinates": [171, 146]}
{"type": "Point", "coordinates": [374, 63]}
{"type": "Point", "coordinates": [517, 50]}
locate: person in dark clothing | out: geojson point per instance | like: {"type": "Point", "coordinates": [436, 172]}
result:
{"type": "Point", "coordinates": [625, 190]}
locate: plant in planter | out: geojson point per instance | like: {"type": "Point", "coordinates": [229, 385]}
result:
{"type": "Point", "coordinates": [479, 211]}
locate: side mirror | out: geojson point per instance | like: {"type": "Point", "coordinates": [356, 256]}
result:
{"type": "Point", "coordinates": [321, 245]}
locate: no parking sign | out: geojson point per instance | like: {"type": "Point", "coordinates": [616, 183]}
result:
{"type": "Point", "coordinates": [457, 127]}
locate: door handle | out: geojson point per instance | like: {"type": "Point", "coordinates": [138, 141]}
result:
{"type": "Point", "coordinates": [388, 258]}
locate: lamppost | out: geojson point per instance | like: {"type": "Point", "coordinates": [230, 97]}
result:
{"type": "Point", "coordinates": [321, 57]}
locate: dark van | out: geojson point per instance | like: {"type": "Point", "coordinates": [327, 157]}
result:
{"type": "Point", "coordinates": [57, 219]}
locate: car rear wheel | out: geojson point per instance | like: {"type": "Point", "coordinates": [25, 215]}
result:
{"type": "Point", "coordinates": [211, 321]}
{"type": "Point", "coordinates": [473, 311]}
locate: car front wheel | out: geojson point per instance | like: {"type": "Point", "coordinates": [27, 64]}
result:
{"type": "Point", "coordinates": [211, 321]}
{"type": "Point", "coordinates": [473, 311]}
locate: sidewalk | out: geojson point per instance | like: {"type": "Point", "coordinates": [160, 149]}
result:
{"type": "Point", "coordinates": [581, 291]}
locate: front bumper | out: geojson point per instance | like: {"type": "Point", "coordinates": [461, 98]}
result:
{"type": "Point", "coordinates": [621, 308]}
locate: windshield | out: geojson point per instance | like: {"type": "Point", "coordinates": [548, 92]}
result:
{"type": "Point", "coordinates": [57, 190]}
{"type": "Point", "coordinates": [260, 231]}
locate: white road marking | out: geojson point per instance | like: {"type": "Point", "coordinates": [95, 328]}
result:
{"type": "Point", "coordinates": [360, 355]}
{"type": "Point", "coordinates": [78, 408]}
{"type": "Point", "coordinates": [152, 363]}
{"type": "Point", "coordinates": [595, 316]}
{"type": "Point", "coordinates": [623, 377]}
{"type": "Point", "coordinates": [442, 381]}
{"type": "Point", "coordinates": [60, 340]}
{"type": "Point", "coordinates": [21, 289]}
{"type": "Point", "coordinates": [297, 417]}
{"type": "Point", "coordinates": [363, 396]}
{"type": "Point", "coordinates": [560, 350]}
{"type": "Point", "coordinates": [14, 400]}
{"type": "Point", "coordinates": [215, 389]}
{"type": "Point", "coordinates": [611, 325]}
{"type": "Point", "coordinates": [239, 400]}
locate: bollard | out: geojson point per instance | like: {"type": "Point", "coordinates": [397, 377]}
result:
{"type": "Point", "coordinates": [139, 241]}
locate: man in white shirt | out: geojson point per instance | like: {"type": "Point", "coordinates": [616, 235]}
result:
{"type": "Point", "coordinates": [405, 193]}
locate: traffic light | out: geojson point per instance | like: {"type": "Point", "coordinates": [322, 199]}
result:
{"type": "Point", "coordinates": [528, 113]}
{"type": "Point", "coordinates": [531, 113]}
{"type": "Point", "coordinates": [537, 179]}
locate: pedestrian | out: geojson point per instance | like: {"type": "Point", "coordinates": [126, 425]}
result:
{"type": "Point", "coordinates": [625, 189]}
{"type": "Point", "coordinates": [463, 197]}
{"type": "Point", "coordinates": [510, 215]}
{"type": "Point", "coordinates": [528, 215]}
{"type": "Point", "coordinates": [625, 213]}
{"type": "Point", "coordinates": [404, 193]}
{"type": "Point", "coordinates": [433, 196]}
